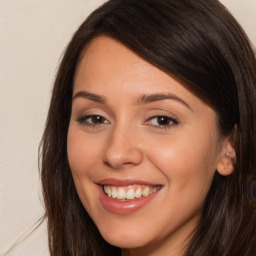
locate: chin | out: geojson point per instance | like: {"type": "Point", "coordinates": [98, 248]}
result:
{"type": "Point", "coordinates": [124, 239]}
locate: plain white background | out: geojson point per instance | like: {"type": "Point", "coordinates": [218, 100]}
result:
{"type": "Point", "coordinates": [33, 34]}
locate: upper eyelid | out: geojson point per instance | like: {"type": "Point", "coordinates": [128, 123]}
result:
{"type": "Point", "coordinates": [174, 120]}
{"type": "Point", "coordinates": [147, 114]}
{"type": "Point", "coordinates": [80, 111]}
{"type": "Point", "coordinates": [87, 116]}
{"type": "Point", "coordinates": [168, 115]}
{"type": "Point", "coordinates": [150, 117]}
{"type": "Point", "coordinates": [155, 116]}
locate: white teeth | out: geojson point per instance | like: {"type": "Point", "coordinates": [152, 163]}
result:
{"type": "Point", "coordinates": [121, 194]}
{"type": "Point", "coordinates": [127, 193]}
{"type": "Point", "coordinates": [114, 192]}
{"type": "Point", "coordinates": [130, 194]}
{"type": "Point", "coordinates": [146, 191]}
{"type": "Point", "coordinates": [109, 191]}
{"type": "Point", "coordinates": [138, 193]}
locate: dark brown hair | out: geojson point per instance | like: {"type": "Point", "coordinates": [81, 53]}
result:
{"type": "Point", "coordinates": [200, 44]}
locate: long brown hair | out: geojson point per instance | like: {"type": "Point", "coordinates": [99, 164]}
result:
{"type": "Point", "coordinates": [199, 43]}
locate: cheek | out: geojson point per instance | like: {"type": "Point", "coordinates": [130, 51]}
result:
{"type": "Point", "coordinates": [82, 152]}
{"type": "Point", "coordinates": [187, 161]}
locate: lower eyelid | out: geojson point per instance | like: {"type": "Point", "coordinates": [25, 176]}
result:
{"type": "Point", "coordinates": [173, 123]}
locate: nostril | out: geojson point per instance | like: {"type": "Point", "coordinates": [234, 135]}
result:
{"type": "Point", "coordinates": [117, 163]}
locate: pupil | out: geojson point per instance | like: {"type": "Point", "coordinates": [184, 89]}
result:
{"type": "Point", "coordinates": [97, 120]}
{"type": "Point", "coordinates": [162, 120]}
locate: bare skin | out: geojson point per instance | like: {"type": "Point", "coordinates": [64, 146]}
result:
{"type": "Point", "coordinates": [133, 126]}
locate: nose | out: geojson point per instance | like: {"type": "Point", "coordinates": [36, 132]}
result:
{"type": "Point", "coordinates": [123, 148]}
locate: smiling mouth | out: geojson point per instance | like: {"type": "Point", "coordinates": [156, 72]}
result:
{"type": "Point", "coordinates": [130, 192]}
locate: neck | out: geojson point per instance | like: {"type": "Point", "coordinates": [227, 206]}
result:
{"type": "Point", "coordinates": [157, 249]}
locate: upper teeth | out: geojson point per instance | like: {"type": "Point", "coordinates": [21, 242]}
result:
{"type": "Point", "coordinates": [130, 192]}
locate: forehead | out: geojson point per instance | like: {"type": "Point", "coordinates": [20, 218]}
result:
{"type": "Point", "coordinates": [107, 60]}
{"type": "Point", "coordinates": [107, 56]}
{"type": "Point", "coordinates": [109, 68]}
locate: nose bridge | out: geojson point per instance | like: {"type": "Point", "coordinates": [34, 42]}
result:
{"type": "Point", "coordinates": [122, 146]}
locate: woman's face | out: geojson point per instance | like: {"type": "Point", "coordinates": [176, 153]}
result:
{"type": "Point", "coordinates": [149, 143]}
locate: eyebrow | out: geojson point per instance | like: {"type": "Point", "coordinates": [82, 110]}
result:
{"type": "Point", "coordinates": [90, 96]}
{"type": "Point", "coordinates": [143, 99]}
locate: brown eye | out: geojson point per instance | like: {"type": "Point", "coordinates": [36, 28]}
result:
{"type": "Point", "coordinates": [162, 122]}
{"type": "Point", "coordinates": [97, 120]}
{"type": "Point", "coordinates": [92, 120]}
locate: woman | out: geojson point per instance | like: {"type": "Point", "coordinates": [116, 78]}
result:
{"type": "Point", "coordinates": [150, 141]}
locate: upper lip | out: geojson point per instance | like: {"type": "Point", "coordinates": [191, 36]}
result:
{"type": "Point", "coordinates": [124, 182]}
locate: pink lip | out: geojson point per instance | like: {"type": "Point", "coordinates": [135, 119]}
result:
{"type": "Point", "coordinates": [123, 207]}
{"type": "Point", "coordinates": [127, 182]}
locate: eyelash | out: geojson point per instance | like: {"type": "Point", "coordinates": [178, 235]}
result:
{"type": "Point", "coordinates": [170, 122]}
{"type": "Point", "coordinates": [84, 120]}
{"type": "Point", "coordinates": [101, 121]}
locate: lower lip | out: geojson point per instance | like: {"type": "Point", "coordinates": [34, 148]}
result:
{"type": "Point", "coordinates": [123, 207]}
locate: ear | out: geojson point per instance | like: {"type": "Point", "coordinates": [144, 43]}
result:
{"type": "Point", "coordinates": [227, 159]}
